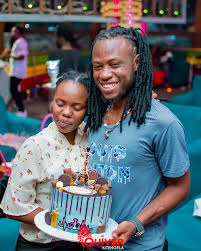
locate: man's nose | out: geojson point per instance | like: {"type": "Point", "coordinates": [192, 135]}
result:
{"type": "Point", "coordinates": [105, 73]}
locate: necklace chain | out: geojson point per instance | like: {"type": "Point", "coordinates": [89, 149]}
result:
{"type": "Point", "coordinates": [109, 130]}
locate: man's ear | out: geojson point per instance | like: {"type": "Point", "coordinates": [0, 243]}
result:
{"type": "Point", "coordinates": [135, 62]}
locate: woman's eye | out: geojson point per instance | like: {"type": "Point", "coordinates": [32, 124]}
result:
{"type": "Point", "coordinates": [59, 105]}
{"type": "Point", "coordinates": [77, 108]}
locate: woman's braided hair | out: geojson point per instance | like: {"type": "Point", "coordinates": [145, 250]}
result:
{"type": "Point", "coordinates": [139, 98]}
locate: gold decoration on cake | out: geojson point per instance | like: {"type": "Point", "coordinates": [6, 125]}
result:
{"type": "Point", "coordinates": [54, 219]}
{"type": "Point", "coordinates": [72, 182]}
{"type": "Point", "coordinates": [82, 177]}
{"type": "Point", "coordinates": [102, 192]}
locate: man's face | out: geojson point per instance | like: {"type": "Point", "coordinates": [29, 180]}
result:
{"type": "Point", "coordinates": [14, 33]}
{"type": "Point", "coordinates": [114, 65]}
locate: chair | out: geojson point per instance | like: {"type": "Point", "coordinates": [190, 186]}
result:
{"type": "Point", "coordinates": [184, 230]}
{"type": "Point", "coordinates": [11, 123]}
{"type": "Point", "coordinates": [192, 97]}
{"type": "Point", "coordinates": [190, 117]}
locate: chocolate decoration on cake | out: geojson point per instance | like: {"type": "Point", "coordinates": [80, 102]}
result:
{"type": "Point", "coordinates": [101, 229]}
{"type": "Point", "coordinates": [66, 179]}
{"type": "Point", "coordinates": [47, 218]}
{"type": "Point", "coordinates": [97, 187]}
{"type": "Point", "coordinates": [68, 171]}
{"type": "Point", "coordinates": [101, 181]}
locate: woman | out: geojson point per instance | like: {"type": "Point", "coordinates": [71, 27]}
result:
{"type": "Point", "coordinates": [43, 158]}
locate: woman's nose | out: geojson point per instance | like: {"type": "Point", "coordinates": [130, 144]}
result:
{"type": "Point", "coordinates": [67, 111]}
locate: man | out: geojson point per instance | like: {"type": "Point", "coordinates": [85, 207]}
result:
{"type": "Point", "coordinates": [136, 142]}
{"type": "Point", "coordinates": [18, 65]}
{"type": "Point", "coordinates": [69, 58]}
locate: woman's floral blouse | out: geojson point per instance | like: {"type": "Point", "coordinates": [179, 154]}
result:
{"type": "Point", "coordinates": [40, 160]}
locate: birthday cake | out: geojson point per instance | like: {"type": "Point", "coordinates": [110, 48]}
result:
{"type": "Point", "coordinates": [77, 200]}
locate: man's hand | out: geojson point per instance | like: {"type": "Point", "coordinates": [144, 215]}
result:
{"type": "Point", "coordinates": [125, 231]}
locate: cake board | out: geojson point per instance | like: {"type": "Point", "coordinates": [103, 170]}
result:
{"type": "Point", "coordinates": [57, 233]}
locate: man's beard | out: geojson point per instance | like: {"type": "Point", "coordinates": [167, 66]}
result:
{"type": "Point", "coordinates": [124, 92]}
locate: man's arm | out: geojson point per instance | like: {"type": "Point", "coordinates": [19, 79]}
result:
{"type": "Point", "coordinates": [176, 191]}
{"type": "Point", "coordinates": [17, 57]}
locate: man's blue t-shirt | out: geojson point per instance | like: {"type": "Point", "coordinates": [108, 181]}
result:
{"type": "Point", "coordinates": [135, 161]}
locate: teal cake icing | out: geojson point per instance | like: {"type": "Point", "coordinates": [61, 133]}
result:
{"type": "Point", "coordinates": [76, 206]}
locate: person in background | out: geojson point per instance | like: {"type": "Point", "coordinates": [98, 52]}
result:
{"type": "Point", "coordinates": [18, 65]}
{"type": "Point", "coordinates": [165, 62]}
{"type": "Point", "coordinates": [69, 57]}
{"type": "Point", "coordinates": [136, 142]}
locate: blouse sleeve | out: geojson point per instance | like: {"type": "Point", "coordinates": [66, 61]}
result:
{"type": "Point", "coordinates": [20, 196]}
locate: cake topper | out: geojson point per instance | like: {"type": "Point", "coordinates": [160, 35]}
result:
{"type": "Point", "coordinates": [83, 177]}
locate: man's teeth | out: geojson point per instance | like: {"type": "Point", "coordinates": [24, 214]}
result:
{"type": "Point", "coordinates": [109, 85]}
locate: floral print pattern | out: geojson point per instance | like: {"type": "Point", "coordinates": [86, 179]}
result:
{"type": "Point", "coordinates": [41, 159]}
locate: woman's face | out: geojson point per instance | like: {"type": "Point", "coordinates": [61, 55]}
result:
{"type": "Point", "coordinates": [69, 106]}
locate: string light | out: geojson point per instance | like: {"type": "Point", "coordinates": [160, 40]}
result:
{"type": "Point", "coordinates": [176, 12]}
{"type": "Point", "coordinates": [146, 11]}
{"type": "Point", "coordinates": [27, 26]}
{"type": "Point", "coordinates": [85, 8]}
{"type": "Point", "coordinates": [30, 5]}
{"type": "Point", "coordinates": [130, 22]}
{"type": "Point", "coordinates": [144, 28]}
{"type": "Point", "coordinates": [115, 10]}
{"type": "Point", "coordinates": [59, 7]}
{"type": "Point", "coordinates": [169, 90]}
{"type": "Point", "coordinates": [161, 12]}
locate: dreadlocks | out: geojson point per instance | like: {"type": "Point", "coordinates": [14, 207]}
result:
{"type": "Point", "coordinates": [139, 98]}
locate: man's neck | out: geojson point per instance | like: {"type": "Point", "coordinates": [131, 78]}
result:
{"type": "Point", "coordinates": [115, 112]}
{"type": "Point", "coordinates": [119, 105]}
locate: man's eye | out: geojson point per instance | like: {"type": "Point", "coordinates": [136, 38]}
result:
{"type": "Point", "coordinates": [59, 105]}
{"type": "Point", "coordinates": [115, 64]}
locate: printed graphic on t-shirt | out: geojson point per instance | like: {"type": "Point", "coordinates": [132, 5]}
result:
{"type": "Point", "coordinates": [106, 159]}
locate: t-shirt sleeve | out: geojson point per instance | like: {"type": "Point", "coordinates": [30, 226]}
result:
{"type": "Point", "coordinates": [21, 49]}
{"type": "Point", "coordinates": [171, 152]}
{"type": "Point", "coordinates": [20, 195]}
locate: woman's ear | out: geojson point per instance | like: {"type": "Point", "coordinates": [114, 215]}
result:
{"type": "Point", "coordinates": [135, 62]}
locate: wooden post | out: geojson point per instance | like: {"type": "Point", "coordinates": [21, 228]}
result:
{"type": "Point", "coordinates": [197, 36]}
{"type": "Point", "coordinates": [94, 30]}
{"type": "Point", "coordinates": [10, 6]}
{"type": "Point", "coordinates": [154, 7]}
{"type": "Point", "coordinates": [69, 7]}
{"type": "Point", "coordinates": [169, 8]}
{"type": "Point", "coordinates": [41, 6]}
{"type": "Point", "coordinates": [2, 25]}
{"type": "Point", "coordinates": [95, 7]}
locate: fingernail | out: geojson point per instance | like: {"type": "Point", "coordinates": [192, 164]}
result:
{"type": "Point", "coordinates": [114, 235]}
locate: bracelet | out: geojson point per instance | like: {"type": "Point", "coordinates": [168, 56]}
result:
{"type": "Point", "coordinates": [139, 226]}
